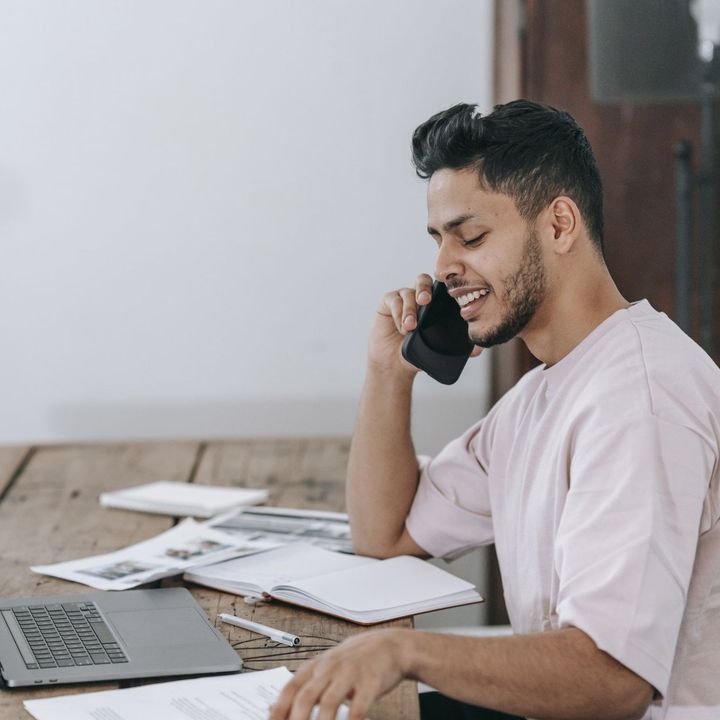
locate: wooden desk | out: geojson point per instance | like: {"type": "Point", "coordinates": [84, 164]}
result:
{"type": "Point", "coordinates": [49, 512]}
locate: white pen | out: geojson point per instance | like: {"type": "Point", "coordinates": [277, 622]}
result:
{"type": "Point", "coordinates": [274, 634]}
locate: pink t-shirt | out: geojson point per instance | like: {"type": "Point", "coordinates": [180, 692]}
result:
{"type": "Point", "coordinates": [598, 481]}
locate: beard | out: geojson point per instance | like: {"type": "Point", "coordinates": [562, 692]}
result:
{"type": "Point", "coordinates": [524, 292]}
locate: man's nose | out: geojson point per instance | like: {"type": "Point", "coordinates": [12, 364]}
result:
{"type": "Point", "coordinates": [448, 263]}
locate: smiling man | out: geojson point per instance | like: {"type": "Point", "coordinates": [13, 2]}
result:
{"type": "Point", "coordinates": [597, 476]}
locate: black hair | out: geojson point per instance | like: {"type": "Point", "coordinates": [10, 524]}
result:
{"type": "Point", "coordinates": [531, 152]}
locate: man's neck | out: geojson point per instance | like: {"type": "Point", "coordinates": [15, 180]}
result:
{"type": "Point", "coordinates": [565, 320]}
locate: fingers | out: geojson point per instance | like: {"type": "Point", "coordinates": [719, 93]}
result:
{"type": "Point", "coordinates": [281, 708]}
{"type": "Point", "coordinates": [403, 304]}
{"type": "Point", "coordinates": [403, 308]}
{"type": "Point", "coordinates": [361, 703]}
{"type": "Point", "coordinates": [423, 289]}
{"type": "Point", "coordinates": [315, 692]}
{"type": "Point", "coordinates": [305, 691]}
{"type": "Point", "coordinates": [332, 698]}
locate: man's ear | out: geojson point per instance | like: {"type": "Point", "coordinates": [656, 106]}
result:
{"type": "Point", "coordinates": [564, 217]}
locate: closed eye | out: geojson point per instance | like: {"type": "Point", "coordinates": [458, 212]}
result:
{"type": "Point", "coordinates": [474, 241]}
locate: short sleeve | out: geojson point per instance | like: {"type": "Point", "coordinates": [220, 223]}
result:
{"type": "Point", "coordinates": [451, 510]}
{"type": "Point", "coordinates": [627, 538]}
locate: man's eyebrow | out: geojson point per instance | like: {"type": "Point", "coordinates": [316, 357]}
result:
{"type": "Point", "coordinates": [451, 224]}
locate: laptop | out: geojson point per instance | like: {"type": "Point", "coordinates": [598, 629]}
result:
{"type": "Point", "coordinates": [101, 636]}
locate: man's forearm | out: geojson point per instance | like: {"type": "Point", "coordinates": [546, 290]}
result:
{"type": "Point", "coordinates": [558, 674]}
{"type": "Point", "coordinates": [382, 468]}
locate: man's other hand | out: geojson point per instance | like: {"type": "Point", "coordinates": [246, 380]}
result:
{"type": "Point", "coordinates": [358, 671]}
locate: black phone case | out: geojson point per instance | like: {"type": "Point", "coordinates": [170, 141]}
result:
{"type": "Point", "coordinates": [441, 366]}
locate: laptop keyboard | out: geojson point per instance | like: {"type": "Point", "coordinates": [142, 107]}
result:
{"type": "Point", "coordinates": [63, 635]}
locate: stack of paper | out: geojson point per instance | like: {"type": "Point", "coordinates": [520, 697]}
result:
{"type": "Point", "coordinates": [181, 499]}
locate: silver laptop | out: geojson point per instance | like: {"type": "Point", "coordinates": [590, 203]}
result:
{"type": "Point", "coordinates": [98, 636]}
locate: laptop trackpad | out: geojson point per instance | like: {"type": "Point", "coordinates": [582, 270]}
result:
{"type": "Point", "coordinates": [161, 628]}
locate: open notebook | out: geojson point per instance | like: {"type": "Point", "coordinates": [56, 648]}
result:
{"type": "Point", "coordinates": [360, 589]}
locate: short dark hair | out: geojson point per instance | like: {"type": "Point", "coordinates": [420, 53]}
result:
{"type": "Point", "coordinates": [528, 151]}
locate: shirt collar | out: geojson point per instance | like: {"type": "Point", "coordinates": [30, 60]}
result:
{"type": "Point", "coordinates": [556, 374]}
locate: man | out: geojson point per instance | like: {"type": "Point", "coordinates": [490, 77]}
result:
{"type": "Point", "coordinates": [596, 476]}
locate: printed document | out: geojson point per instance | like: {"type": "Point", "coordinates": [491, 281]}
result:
{"type": "Point", "coordinates": [280, 526]}
{"type": "Point", "coordinates": [225, 697]}
{"type": "Point", "coordinates": [181, 548]}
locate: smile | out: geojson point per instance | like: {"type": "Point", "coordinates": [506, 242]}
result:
{"type": "Point", "coordinates": [464, 300]}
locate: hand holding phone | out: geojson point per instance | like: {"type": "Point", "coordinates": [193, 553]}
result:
{"type": "Point", "coordinates": [440, 344]}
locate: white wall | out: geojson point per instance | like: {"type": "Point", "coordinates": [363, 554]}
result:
{"type": "Point", "coordinates": [202, 201]}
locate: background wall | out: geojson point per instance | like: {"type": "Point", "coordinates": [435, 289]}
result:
{"type": "Point", "coordinates": [201, 204]}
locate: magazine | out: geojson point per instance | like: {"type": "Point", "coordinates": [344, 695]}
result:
{"type": "Point", "coordinates": [279, 526]}
{"type": "Point", "coordinates": [173, 552]}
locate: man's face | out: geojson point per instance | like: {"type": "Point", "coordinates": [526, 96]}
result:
{"type": "Point", "coordinates": [488, 257]}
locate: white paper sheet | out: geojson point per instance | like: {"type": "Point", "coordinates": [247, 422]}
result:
{"type": "Point", "coordinates": [185, 546]}
{"type": "Point", "coordinates": [226, 697]}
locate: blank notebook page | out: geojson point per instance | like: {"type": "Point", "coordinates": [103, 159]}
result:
{"type": "Point", "coordinates": [285, 564]}
{"type": "Point", "coordinates": [391, 583]}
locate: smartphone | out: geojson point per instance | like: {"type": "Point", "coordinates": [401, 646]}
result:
{"type": "Point", "coordinates": [439, 345]}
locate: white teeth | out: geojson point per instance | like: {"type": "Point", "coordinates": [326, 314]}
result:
{"type": "Point", "coordinates": [475, 295]}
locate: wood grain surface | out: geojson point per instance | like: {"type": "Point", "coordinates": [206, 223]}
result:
{"type": "Point", "coordinates": [49, 512]}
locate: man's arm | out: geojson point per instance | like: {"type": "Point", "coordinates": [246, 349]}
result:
{"type": "Point", "coordinates": [557, 675]}
{"type": "Point", "coordinates": [383, 471]}
{"type": "Point", "coordinates": [382, 474]}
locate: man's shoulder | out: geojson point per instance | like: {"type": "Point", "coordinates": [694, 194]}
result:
{"type": "Point", "coordinates": [683, 381]}
{"type": "Point", "coordinates": [665, 353]}
{"type": "Point", "coordinates": [648, 364]}
{"type": "Point", "coordinates": [665, 348]}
